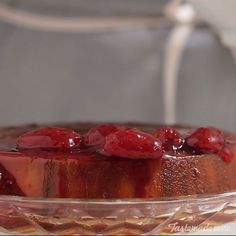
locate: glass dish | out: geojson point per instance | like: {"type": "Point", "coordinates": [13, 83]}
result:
{"type": "Point", "coordinates": [22, 215]}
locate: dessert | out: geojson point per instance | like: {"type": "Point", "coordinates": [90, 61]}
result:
{"type": "Point", "coordinates": [115, 161]}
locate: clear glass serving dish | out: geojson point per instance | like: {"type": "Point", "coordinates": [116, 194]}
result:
{"type": "Point", "coordinates": [22, 215]}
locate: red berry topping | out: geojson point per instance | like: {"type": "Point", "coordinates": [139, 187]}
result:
{"type": "Point", "coordinates": [49, 138]}
{"type": "Point", "coordinates": [226, 153]}
{"type": "Point", "coordinates": [207, 139]}
{"type": "Point", "coordinates": [96, 136]}
{"type": "Point", "coordinates": [170, 138]}
{"type": "Point", "coordinates": [132, 143]}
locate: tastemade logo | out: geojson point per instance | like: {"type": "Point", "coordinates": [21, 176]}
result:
{"type": "Point", "coordinates": [176, 228]}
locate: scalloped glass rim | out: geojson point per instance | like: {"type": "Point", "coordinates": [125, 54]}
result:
{"type": "Point", "coordinates": [153, 216]}
{"type": "Point", "coordinates": [163, 200]}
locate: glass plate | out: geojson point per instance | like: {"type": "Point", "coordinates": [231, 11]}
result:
{"type": "Point", "coordinates": [22, 215]}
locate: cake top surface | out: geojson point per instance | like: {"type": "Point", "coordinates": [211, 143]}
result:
{"type": "Point", "coordinates": [133, 141]}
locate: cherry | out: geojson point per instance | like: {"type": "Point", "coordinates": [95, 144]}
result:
{"type": "Point", "coordinates": [132, 143]}
{"type": "Point", "coordinates": [226, 153]}
{"type": "Point", "coordinates": [208, 139]}
{"type": "Point", "coordinates": [96, 136]}
{"type": "Point", "coordinates": [49, 138]}
{"type": "Point", "coordinates": [170, 138]}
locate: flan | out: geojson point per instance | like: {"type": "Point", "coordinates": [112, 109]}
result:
{"type": "Point", "coordinates": [87, 172]}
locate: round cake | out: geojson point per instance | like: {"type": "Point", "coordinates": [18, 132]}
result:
{"type": "Point", "coordinates": [115, 161]}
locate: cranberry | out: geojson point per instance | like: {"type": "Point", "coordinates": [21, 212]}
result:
{"type": "Point", "coordinates": [49, 138]}
{"type": "Point", "coordinates": [170, 138]}
{"type": "Point", "coordinates": [132, 143]}
{"type": "Point", "coordinates": [208, 139]}
{"type": "Point", "coordinates": [226, 153]}
{"type": "Point", "coordinates": [96, 136]}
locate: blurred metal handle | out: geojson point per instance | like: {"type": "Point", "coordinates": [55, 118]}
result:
{"type": "Point", "coordinates": [184, 16]}
{"type": "Point", "coordinates": [33, 21]}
